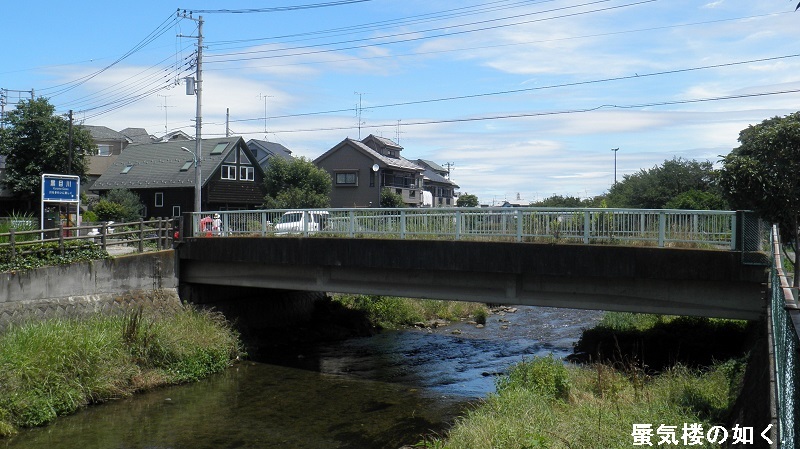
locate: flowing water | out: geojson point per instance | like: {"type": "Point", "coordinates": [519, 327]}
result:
{"type": "Point", "coordinates": [382, 391]}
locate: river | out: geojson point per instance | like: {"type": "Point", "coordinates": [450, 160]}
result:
{"type": "Point", "coordinates": [382, 391]}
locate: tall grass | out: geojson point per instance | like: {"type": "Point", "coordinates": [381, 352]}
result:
{"type": "Point", "coordinates": [390, 312]}
{"type": "Point", "coordinates": [545, 404]}
{"type": "Point", "coordinates": [55, 367]}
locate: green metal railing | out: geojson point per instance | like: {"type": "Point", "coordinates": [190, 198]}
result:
{"type": "Point", "coordinates": [785, 324]}
{"type": "Point", "coordinates": [657, 227]}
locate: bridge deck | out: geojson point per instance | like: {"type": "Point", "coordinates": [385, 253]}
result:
{"type": "Point", "coordinates": [633, 279]}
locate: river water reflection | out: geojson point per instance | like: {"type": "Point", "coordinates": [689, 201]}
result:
{"type": "Point", "coordinates": [376, 392]}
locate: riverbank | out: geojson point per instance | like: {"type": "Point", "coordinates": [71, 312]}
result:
{"type": "Point", "coordinates": [545, 403]}
{"type": "Point", "coordinates": [55, 367]}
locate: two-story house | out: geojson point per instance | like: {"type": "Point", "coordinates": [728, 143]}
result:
{"type": "Point", "coordinates": [436, 180]}
{"type": "Point", "coordinates": [361, 169]}
{"type": "Point", "coordinates": [264, 150]}
{"type": "Point", "coordinates": [163, 175]}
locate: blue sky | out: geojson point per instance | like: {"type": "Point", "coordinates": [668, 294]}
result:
{"type": "Point", "coordinates": [525, 98]}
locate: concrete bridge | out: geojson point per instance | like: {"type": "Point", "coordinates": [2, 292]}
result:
{"type": "Point", "coordinates": [712, 283]}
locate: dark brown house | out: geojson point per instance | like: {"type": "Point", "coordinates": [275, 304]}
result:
{"type": "Point", "coordinates": [360, 169]}
{"type": "Point", "coordinates": [163, 176]}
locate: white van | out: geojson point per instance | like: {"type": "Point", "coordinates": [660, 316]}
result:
{"type": "Point", "coordinates": [295, 221]}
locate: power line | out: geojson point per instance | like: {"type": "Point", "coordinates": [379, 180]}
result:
{"type": "Point", "coordinates": [277, 8]}
{"type": "Point", "coordinates": [383, 24]}
{"type": "Point", "coordinates": [552, 113]}
{"type": "Point", "coordinates": [484, 47]}
{"type": "Point", "coordinates": [531, 89]}
{"type": "Point", "coordinates": [373, 42]}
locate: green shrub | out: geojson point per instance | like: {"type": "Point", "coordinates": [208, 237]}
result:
{"type": "Point", "coordinates": [545, 375]}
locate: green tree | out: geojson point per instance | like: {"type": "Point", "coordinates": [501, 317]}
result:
{"type": "Point", "coordinates": [654, 188]}
{"type": "Point", "coordinates": [36, 141]}
{"type": "Point", "coordinates": [120, 205]}
{"type": "Point", "coordinates": [296, 184]}
{"type": "Point", "coordinates": [467, 200]}
{"type": "Point", "coordinates": [391, 199]}
{"type": "Point", "coordinates": [761, 174]}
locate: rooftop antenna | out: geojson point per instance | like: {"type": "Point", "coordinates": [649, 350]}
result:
{"type": "Point", "coordinates": [265, 112]}
{"type": "Point", "coordinates": [398, 132]}
{"type": "Point", "coordinates": [358, 113]}
{"type": "Point", "coordinates": [166, 121]}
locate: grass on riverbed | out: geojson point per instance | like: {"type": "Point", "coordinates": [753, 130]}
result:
{"type": "Point", "coordinates": [543, 403]}
{"type": "Point", "coordinates": [390, 312]}
{"type": "Point", "coordinates": [53, 368]}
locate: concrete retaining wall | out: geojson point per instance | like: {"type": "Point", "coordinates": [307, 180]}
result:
{"type": "Point", "coordinates": [108, 286]}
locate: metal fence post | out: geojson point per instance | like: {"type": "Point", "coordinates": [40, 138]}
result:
{"type": "Point", "coordinates": [587, 227]}
{"type": "Point", "coordinates": [306, 217]}
{"type": "Point", "coordinates": [662, 228]}
{"type": "Point", "coordinates": [11, 241]}
{"type": "Point", "coordinates": [141, 235]}
{"type": "Point", "coordinates": [402, 224]}
{"type": "Point", "coordinates": [351, 225]}
{"type": "Point", "coordinates": [458, 224]}
{"type": "Point", "coordinates": [61, 238]}
{"type": "Point", "coordinates": [103, 232]}
{"type": "Point", "coordinates": [519, 225]}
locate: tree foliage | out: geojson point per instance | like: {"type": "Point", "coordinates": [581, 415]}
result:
{"type": "Point", "coordinates": [570, 201]}
{"type": "Point", "coordinates": [36, 141]}
{"type": "Point", "coordinates": [296, 184]}
{"type": "Point", "coordinates": [121, 205]}
{"type": "Point", "coordinates": [467, 200]}
{"type": "Point", "coordinates": [391, 199]}
{"type": "Point", "coordinates": [761, 174]}
{"type": "Point", "coordinates": [656, 187]}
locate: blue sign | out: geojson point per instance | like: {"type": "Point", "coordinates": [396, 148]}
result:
{"type": "Point", "coordinates": [61, 188]}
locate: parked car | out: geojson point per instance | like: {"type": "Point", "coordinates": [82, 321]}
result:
{"type": "Point", "coordinates": [298, 221]}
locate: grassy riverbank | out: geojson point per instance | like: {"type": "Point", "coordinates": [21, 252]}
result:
{"type": "Point", "coordinates": [543, 403]}
{"type": "Point", "coordinates": [391, 312]}
{"type": "Point", "coordinates": [55, 367]}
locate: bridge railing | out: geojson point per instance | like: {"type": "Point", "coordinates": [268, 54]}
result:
{"type": "Point", "coordinates": [629, 226]}
{"type": "Point", "coordinates": [785, 322]}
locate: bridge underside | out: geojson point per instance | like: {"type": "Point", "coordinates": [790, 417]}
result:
{"type": "Point", "coordinates": [629, 279]}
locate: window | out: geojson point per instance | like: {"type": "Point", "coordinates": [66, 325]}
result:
{"type": "Point", "coordinates": [372, 179]}
{"type": "Point", "coordinates": [247, 173]}
{"type": "Point", "coordinates": [104, 150]}
{"type": "Point", "coordinates": [243, 158]}
{"type": "Point", "coordinates": [187, 165]}
{"type": "Point", "coordinates": [347, 178]}
{"type": "Point", "coordinates": [219, 148]}
{"type": "Point", "coordinates": [126, 169]}
{"type": "Point", "coordinates": [159, 199]}
{"type": "Point", "coordinates": [176, 211]}
{"type": "Point", "coordinates": [229, 172]}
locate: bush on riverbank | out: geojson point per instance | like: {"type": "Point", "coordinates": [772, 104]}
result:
{"type": "Point", "coordinates": [55, 367]}
{"type": "Point", "coordinates": [657, 342]}
{"type": "Point", "coordinates": [390, 312]}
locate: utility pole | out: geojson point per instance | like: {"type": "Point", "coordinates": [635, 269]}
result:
{"type": "Point", "coordinates": [198, 84]}
{"type": "Point", "coordinates": [264, 96]}
{"type": "Point", "coordinates": [227, 122]}
{"type": "Point", "coordinates": [615, 164]}
{"type": "Point", "coordinates": [449, 165]}
{"type": "Point", "coordinates": [69, 155]}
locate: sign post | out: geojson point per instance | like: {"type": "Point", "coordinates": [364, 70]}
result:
{"type": "Point", "coordinates": [61, 189]}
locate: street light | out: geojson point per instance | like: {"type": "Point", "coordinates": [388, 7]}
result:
{"type": "Point", "coordinates": [197, 179]}
{"type": "Point", "coordinates": [615, 163]}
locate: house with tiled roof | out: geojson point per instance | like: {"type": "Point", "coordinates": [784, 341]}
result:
{"type": "Point", "coordinates": [163, 176]}
{"type": "Point", "coordinates": [436, 180]}
{"type": "Point", "coordinates": [264, 150]}
{"type": "Point", "coordinates": [361, 169]}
